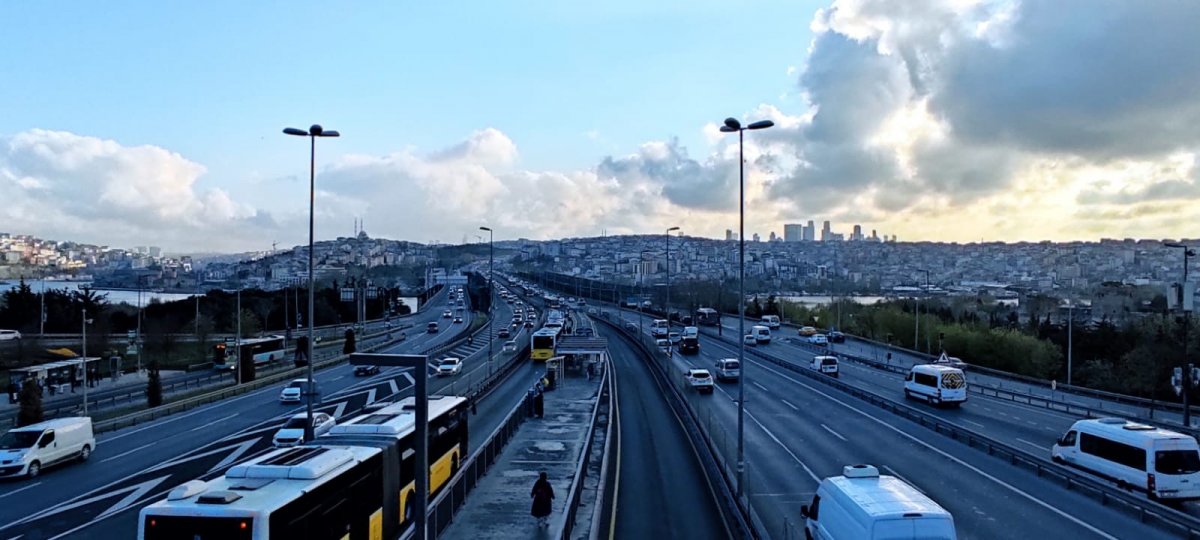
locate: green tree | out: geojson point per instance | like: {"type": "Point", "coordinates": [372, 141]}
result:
{"type": "Point", "coordinates": [154, 390]}
{"type": "Point", "coordinates": [30, 400]}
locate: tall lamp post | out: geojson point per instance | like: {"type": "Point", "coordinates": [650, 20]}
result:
{"type": "Point", "coordinates": [86, 322]}
{"type": "Point", "coordinates": [491, 310]}
{"type": "Point", "coordinates": [732, 125]}
{"type": "Point", "coordinates": [915, 345]}
{"type": "Point", "coordinates": [312, 133]}
{"type": "Point", "coordinates": [670, 345]}
{"type": "Point", "coordinates": [1185, 309]}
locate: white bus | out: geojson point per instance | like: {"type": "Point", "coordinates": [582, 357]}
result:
{"type": "Point", "coordinates": [658, 328]}
{"type": "Point", "coordinates": [1162, 463]}
{"type": "Point", "coordinates": [264, 350]}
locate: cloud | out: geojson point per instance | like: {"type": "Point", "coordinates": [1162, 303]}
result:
{"type": "Point", "coordinates": [69, 186]}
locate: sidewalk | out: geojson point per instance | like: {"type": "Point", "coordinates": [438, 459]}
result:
{"type": "Point", "coordinates": [499, 505]}
{"type": "Point", "coordinates": [127, 382]}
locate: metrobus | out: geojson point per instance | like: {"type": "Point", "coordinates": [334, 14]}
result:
{"type": "Point", "coordinates": [264, 350]}
{"type": "Point", "coordinates": [357, 481]}
{"type": "Point", "coordinates": [707, 317]}
{"type": "Point", "coordinates": [542, 342]}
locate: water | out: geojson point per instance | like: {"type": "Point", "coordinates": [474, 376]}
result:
{"type": "Point", "coordinates": [130, 297]}
{"type": "Point", "coordinates": [820, 300]}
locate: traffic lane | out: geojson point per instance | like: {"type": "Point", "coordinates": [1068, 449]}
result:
{"type": "Point", "coordinates": [988, 497]}
{"type": "Point", "coordinates": [665, 494]}
{"type": "Point", "coordinates": [121, 453]}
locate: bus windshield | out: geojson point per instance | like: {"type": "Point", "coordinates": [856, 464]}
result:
{"type": "Point", "coordinates": [543, 342]}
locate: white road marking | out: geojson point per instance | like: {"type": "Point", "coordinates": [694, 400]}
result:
{"type": "Point", "coordinates": [764, 389]}
{"type": "Point", "coordinates": [835, 434]}
{"type": "Point", "coordinates": [126, 453]}
{"type": "Point", "coordinates": [947, 455]}
{"type": "Point", "coordinates": [973, 423]}
{"type": "Point", "coordinates": [16, 491]}
{"type": "Point", "coordinates": [794, 408]}
{"type": "Point", "coordinates": [217, 421]}
{"type": "Point", "coordinates": [814, 476]}
{"type": "Point", "coordinates": [1038, 446]}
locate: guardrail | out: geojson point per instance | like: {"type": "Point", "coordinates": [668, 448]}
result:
{"type": "Point", "coordinates": [1144, 509]}
{"type": "Point", "coordinates": [736, 512]}
{"type": "Point", "coordinates": [572, 502]}
{"type": "Point", "coordinates": [606, 497]}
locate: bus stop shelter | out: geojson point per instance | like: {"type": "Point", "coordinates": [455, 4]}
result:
{"type": "Point", "coordinates": [580, 352]}
{"type": "Point", "coordinates": [60, 373]}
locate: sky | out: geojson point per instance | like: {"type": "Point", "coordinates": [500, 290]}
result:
{"type": "Point", "coordinates": [152, 123]}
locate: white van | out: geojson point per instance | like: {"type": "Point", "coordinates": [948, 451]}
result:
{"type": "Point", "coordinates": [771, 321]}
{"type": "Point", "coordinates": [728, 369]}
{"type": "Point", "coordinates": [25, 451]}
{"type": "Point", "coordinates": [761, 334]}
{"type": "Point", "coordinates": [861, 504]}
{"type": "Point", "coordinates": [658, 328]}
{"type": "Point", "coordinates": [1162, 463]}
{"type": "Point", "coordinates": [825, 364]}
{"type": "Point", "coordinates": [936, 384]}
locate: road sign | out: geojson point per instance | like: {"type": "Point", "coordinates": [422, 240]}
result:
{"type": "Point", "coordinates": [132, 349]}
{"type": "Point", "coordinates": [132, 335]}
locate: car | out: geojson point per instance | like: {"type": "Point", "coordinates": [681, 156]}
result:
{"type": "Point", "coordinates": [663, 345]}
{"type": "Point", "coordinates": [806, 331]}
{"type": "Point", "coordinates": [825, 364]}
{"type": "Point", "coordinates": [295, 389]}
{"type": "Point", "coordinates": [591, 311]}
{"type": "Point", "coordinates": [447, 314]}
{"type": "Point", "coordinates": [528, 324]}
{"type": "Point", "coordinates": [674, 337]}
{"type": "Point", "coordinates": [26, 450]}
{"type": "Point", "coordinates": [510, 346]}
{"type": "Point", "coordinates": [503, 333]}
{"type": "Point", "coordinates": [449, 366]}
{"type": "Point", "coordinates": [292, 432]}
{"type": "Point", "coordinates": [631, 326]}
{"type": "Point", "coordinates": [749, 340]}
{"type": "Point", "coordinates": [818, 339]}
{"type": "Point", "coordinates": [9, 335]}
{"type": "Point", "coordinates": [761, 333]}
{"type": "Point", "coordinates": [365, 371]}
{"type": "Point", "coordinates": [700, 380]}
{"type": "Point", "coordinates": [837, 337]}
{"type": "Point", "coordinates": [432, 327]}
{"type": "Point", "coordinates": [458, 320]}
{"type": "Point", "coordinates": [517, 318]}
{"type": "Point", "coordinates": [728, 369]}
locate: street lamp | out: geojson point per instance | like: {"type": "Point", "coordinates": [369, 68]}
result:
{"type": "Point", "coordinates": [670, 345]}
{"type": "Point", "coordinates": [312, 133]}
{"type": "Point", "coordinates": [917, 317]}
{"type": "Point", "coordinates": [732, 125]}
{"type": "Point", "coordinates": [1184, 308]}
{"type": "Point", "coordinates": [491, 311]}
{"type": "Point", "coordinates": [86, 322]}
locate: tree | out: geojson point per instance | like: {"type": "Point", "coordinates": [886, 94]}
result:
{"type": "Point", "coordinates": [31, 404]}
{"type": "Point", "coordinates": [348, 346]}
{"type": "Point", "coordinates": [154, 390]}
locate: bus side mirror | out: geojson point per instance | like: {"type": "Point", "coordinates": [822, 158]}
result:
{"type": "Point", "coordinates": [804, 511]}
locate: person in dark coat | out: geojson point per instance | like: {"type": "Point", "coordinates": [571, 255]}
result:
{"type": "Point", "coordinates": [543, 497]}
{"type": "Point", "coordinates": [539, 409]}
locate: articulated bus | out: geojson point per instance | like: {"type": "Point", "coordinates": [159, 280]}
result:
{"type": "Point", "coordinates": [355, 483]}
{"type": "Point", "coordinates": [263, 350]}
{"type": "Point", "coordinates": [542, 342]}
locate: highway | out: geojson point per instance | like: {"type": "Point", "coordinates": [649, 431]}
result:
{"type": "Point", "coordinates": [663, 492]}
{"type": "Point", "coordinates": [135, 466]}
{"type": "Point", "coordinates": [799, 431]}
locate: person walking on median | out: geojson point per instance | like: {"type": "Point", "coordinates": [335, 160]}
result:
{"type": "Point", "coordinates": [543, 500]}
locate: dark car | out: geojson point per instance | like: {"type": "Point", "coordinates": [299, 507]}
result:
{"type": "Point", "coordinates": [503, 333]}
{"type": "Point", "coordinates": [837, 337]}
{"type": "Point", "coordinates": [365, 371]}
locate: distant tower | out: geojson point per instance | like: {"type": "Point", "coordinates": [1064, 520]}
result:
{"type": "Point", "coordinates": [857, 233]}
{"type": "Point", "coordinates": [826, 232]}
{"type": "Point", "coordinates": [793, 232]}
{"type": "Point", "coordinates": [772, 237]}
{"type": "Point", "coordinates": [729, 234]}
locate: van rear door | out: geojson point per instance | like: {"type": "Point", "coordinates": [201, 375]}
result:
{"type": "Point", "coordinates": [918, 527]}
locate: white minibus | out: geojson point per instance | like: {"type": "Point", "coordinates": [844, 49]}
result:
{"type": "Point", "coordinates": [1162, 463]}
{"type": "Point", "coordinates": [937, 384]}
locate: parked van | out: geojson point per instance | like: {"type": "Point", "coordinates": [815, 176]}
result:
{"type": "Point", "coordinates": [1162, 463]}
{"type": "Point", "coordinates": [936, 384]}
{"type": "Point", "coordinates": [25, 451]}
{"type": "Point", "coordinates": [771, 321]}
{"type": "Point", "coordinates": [825, 364]}
{"type": "Point", "coordinates": [761, 334]}
{"type": "Point", "coordinates": [728, 369]}
{"type": "Point", "coordinates": [861, 504]}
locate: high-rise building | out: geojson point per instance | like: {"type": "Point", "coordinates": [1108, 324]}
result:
{"type": "Point", "coordinates": [772, 237]}
{"type": "Point", "coordinates": [826, 232]}
{"type": "Point", "coordinates": [793, 232]}
{"type": "Point", "coordinates": [874, 237]}
{"type": "Point", "coordinates": [857, 235]}
{"type": "Point", "coordinates": [810, 232]}
{"type": "Point", "coordinates": [754, 238]}
{"type": "Point", "coordinates": [729, 234]}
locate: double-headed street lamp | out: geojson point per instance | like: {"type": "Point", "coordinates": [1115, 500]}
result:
{"type": "Point", "coordinates": [312, 133]}
{"type": "Point", "coordinates": [491, 311]}
{"type": "Point", "coordinates": [670, 345]}
{"type": "Point", "coordinates": [1184, 302]}
{"type": "Point", "coordinates": [732, 125]}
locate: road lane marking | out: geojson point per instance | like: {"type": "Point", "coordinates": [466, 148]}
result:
{"type": "Point", "coordinates": [1038, 446]}
{"type": "Point", "coordinates": [214, 422]}
{"type": "Point", "coordinates": [947, 455]}
{"type": "Point", "coordinates": [794, 408]}
{"type": "Point", "coordinates": [126, 453]}
{"type": "Point", "coordinates": [764, 389]}
{"type": "Point", "coordinates": [814, 476]}
{"type": "Point", "coordinates": [16, 491]}
{"type": "Point", "coordinates": [835, 434]}
{"type": "Point", "coordinates": [973, 423]}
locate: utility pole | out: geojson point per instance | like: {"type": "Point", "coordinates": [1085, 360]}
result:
{"type": "Point", "coordinates": [86, 321]}
{"type": "Point", "coordinates": [237, 346]}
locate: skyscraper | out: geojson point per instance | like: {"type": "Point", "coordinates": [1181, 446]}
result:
{"type": "Point", "coordinates": [810, 232]}
{"type": "Point", "coordinates": [729, 234]}
{"type": "Point", "coordinates": [793, 232]}
{"type": "Point", "coordinates": [754, 238]}
{"type": "Point", "coordinates": [826, 232]}
{"type": "Point", "coordinates": [857, 236]}
{"type": "Point", "coordinates": [772, 237]}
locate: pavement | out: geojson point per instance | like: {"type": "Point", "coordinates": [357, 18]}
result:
{"type": "Point", "coordinates": [498, 507]}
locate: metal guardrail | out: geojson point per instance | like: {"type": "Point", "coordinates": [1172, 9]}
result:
{"type": "Point", "coordinates": [736, 513]}
{"type": "Point", "coordinates": [573, 496]}
{"type": "Point", "coordinates": [606, 496]}
{"type": "Point", "coordinates": [1144, 509]}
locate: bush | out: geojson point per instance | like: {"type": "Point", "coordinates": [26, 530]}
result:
{"type": "Point", "coordinates": [348, 346]}
{"type": "Point", "coordinates": [31, 404]}
{"type": "Point", "coordinates": [154, 390]}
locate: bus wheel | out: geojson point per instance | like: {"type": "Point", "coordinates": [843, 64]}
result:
{"type": "Point", "coordinates": [408, 504]}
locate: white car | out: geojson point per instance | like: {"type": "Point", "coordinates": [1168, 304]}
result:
{"type": "Point", "coordinates": [818, 339]}
{"type": "Point", "coordinates": [295, 390]}
{"type": "Point", "coordinates": [663, 345]}
{"type": "Point", "coordinates": [674, 337]}
{"type": "Point", "coordinates": [447, 314]}
{"type": "Point", "coordinates": [9, 335]}
{"type": "Point", "coordinates": [749, 340]}
{"type": "Point", "coordinates": [449, 366]}
{"type": "Point", "coordinates": [292, 433]}
{"type": "Point", "coordinates": [700, 379]}
{"type": "Point", "coordinates": [510, 346]}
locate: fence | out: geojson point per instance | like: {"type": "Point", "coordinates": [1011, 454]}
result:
{"type": "Point", "coordinates": [572, 502]}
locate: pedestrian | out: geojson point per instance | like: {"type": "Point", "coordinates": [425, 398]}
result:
{"type": "Point", "coordinates": [543, 500]}
{"type": "Point", "coordinates": [529, 401]}
{"type": "Point", "coordinates": [539, 405]}
{"type": "Point", "coordinates": [12, 392]}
